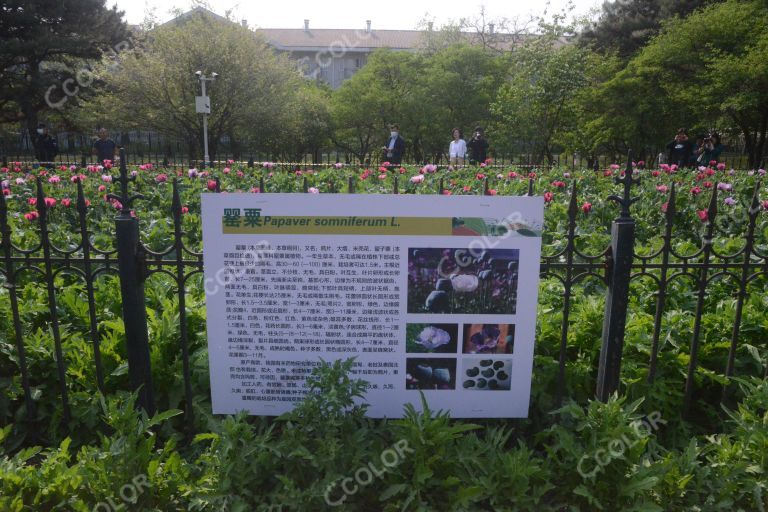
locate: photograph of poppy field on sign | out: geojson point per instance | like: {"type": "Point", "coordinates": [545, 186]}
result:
{"type": "Point", "coordinates": [462, 280]}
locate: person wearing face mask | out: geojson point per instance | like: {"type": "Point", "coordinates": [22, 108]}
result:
{"type": "Point", "coordinates": [46, 146]}
{"type": "Point", "coordinates": [395, 146]}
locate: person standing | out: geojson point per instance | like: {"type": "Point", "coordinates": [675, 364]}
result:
{"type": "Point", "coordinates": [46, 146]}
{"type": "Point", "coordinates": [104, 148]}
{"type": "Point", "coordinates": [680, 149]}
{"type": "Point", "coordinates": [710, 149]}
{"type": "Point", "coordinates": [457, 150]}
{"type": "Point", "coordinates": [395, 147]}
{"type": "Point", "coordinates": [478, 147]}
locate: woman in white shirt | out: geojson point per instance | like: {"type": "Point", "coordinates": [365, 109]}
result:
{"type": "Point", "coordinates": [458, 148]}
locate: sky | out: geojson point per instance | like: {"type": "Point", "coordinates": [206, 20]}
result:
{"type": "Point", "coordinates": [388, 14]}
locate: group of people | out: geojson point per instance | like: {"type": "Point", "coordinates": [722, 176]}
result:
{"type": "Point", "coordinates": [460, 151]}
{"type": "Point", "coordinates": [686, 153]}
{"type": "Point", "coordinates": [47, 147]}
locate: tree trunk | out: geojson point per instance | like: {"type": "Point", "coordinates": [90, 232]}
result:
{"type": "Point", "coordinates": [756, 159]}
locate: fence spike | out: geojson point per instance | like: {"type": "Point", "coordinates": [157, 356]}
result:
{"type": "Point", "coordinates": [305, 187]}
{"type": "Point", "coordinates": [627, 180]}
{"type": "Point", "coordinates": [176, 200]}
{"type": "Point", "coordinates": [82, 206]}
{"type": "Point", "coordinates": [42, 208]}
{"type": "Point", "coordinates": [753, 211]}
{"type": "Point", "coordinates": [573, 206]}
{"type": "Point", "coordinates": [712, 208]}
{"type": "Point", "coordinates": [671, 208]}
{"type": "Point", "coordinates": [394, 186]}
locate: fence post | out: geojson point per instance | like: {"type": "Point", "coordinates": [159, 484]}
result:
{"type": "Point", "coordinates": [132, 275]}
{"type": "Point", "coordinates": [617, 296]}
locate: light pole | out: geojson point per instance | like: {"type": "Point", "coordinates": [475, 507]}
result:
{"type": "Point", "coordinates": [203, 106]}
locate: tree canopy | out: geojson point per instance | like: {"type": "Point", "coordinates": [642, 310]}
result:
{"type": "Point", "coordinates": [257, 95]}
{"type": "Point", "coordinates": [48, 49]}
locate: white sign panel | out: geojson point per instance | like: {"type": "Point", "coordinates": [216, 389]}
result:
{"type": "Point", "coordinates": [430, 293]}
{"type": "Point", "coordinates": [203, 104]}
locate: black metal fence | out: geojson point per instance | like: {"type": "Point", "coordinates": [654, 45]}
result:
{"type": "Point", "coordinates": [143, 147]}
{"type": "Point", "coordinates": [615, 267]}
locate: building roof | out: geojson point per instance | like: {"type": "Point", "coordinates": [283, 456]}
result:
{"type": "Point", "coordinates": [364, 39]}
{"type": "Point", "coordinates": [291, 39]}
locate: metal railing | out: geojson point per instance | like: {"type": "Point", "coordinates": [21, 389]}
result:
{"type": "Point", "coordinates": [615, 267]}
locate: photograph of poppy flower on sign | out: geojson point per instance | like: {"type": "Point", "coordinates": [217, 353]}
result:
{"type": "Point", "coordinates": [431, 338]}
{"type": "Point", "coordinates": [473, 281]}
{"type": "Point", "coordinates": [489, 338]}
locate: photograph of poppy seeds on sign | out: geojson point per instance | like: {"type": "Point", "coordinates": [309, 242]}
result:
{"type": "Point", "coordinates": [486, 374]}
{"type": "Point", "coordinates": [471, 281]}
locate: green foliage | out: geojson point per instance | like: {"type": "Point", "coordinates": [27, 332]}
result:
{"type": "Point", "coordinates": [625, 27]}
{"type": "Point", "coordinates": [155, 88]}
{"type": "Point", "coordinates": [706, 70]}
{"type": "Point", "coordinates": [44, 43]}
{"type": "Point", "coordinates": [601, 456]}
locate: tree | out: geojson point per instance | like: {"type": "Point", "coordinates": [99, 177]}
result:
{"type": "Point", "coordinates": [625, 26]}
{"type": "Point", "coordinates": [536, 106]}
{"type": "Point", "coordinates": [47, 52]}
{"type": "Point", "coordinates": [155, 86]}
{"type": "Point", "coordinates": [427, 94]}
{"type": "Point", "coordinates": [384, 91]}
{"type": "Point", "coordinates": [459, 82]}
{"type": "Point", "coordinates": [714, 65]}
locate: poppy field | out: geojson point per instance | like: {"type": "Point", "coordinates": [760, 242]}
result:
{"type": "Point", "coordinates": [712, 457]}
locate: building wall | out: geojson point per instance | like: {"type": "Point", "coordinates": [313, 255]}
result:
{"type": "Point", "coordinates": [332, 69]}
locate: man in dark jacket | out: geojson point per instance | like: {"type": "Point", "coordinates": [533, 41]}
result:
{"type": "Point", "coordinates": [46, 146]}
{"type": "Point", "coordinates": [477, 147]}
{"type": "Point", "coordinates": [680, 150]}
{"type": "Point", "coordinates": [394, 149]}
{"type": "Point", "coordinates": [104, 148]}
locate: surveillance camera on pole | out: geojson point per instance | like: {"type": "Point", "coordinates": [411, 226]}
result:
{"type": "Point", "coordinates": [203, 106]}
